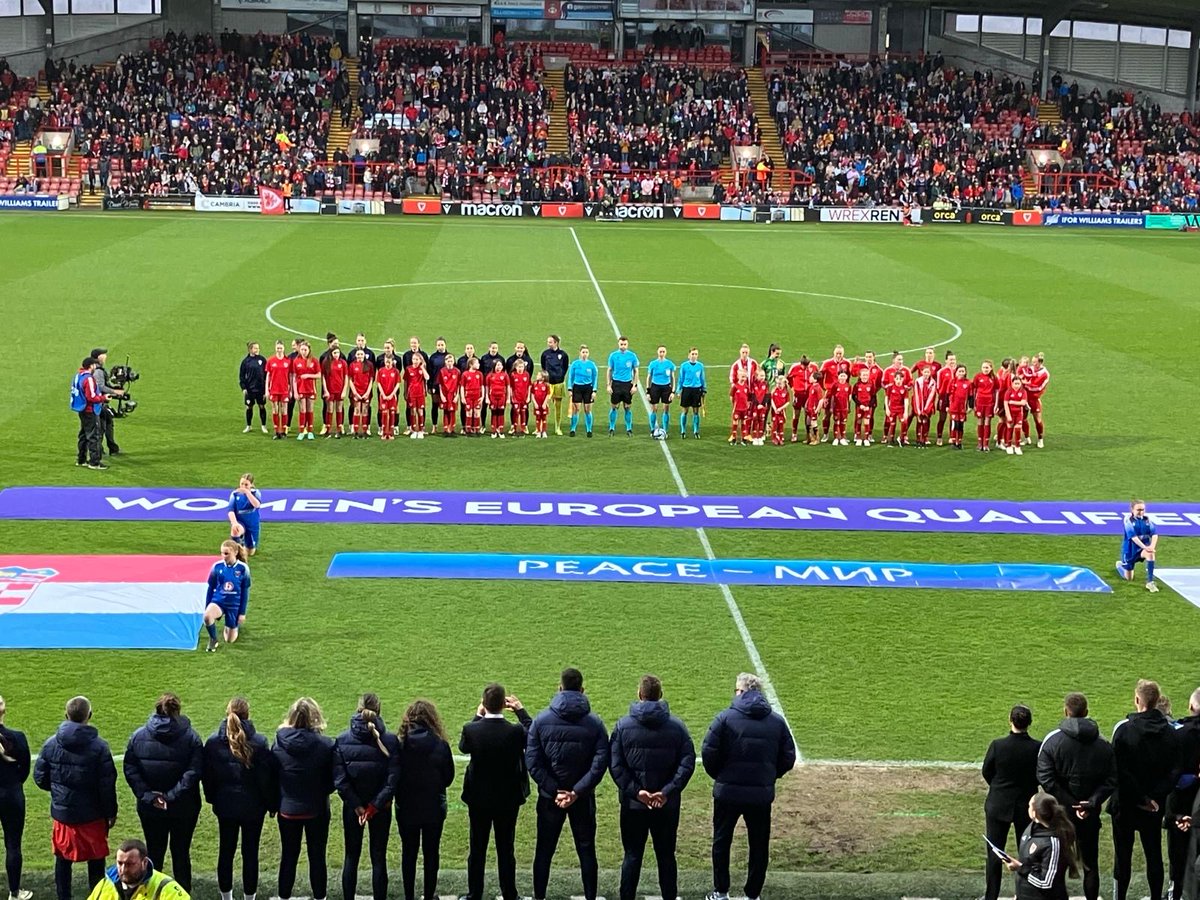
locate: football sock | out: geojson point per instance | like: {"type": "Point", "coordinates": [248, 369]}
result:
{"type": "Point", "coordinates": [695, 423]}
{"type": "Point", "coordinates": [574, 421]}
{"type": "Point", "coordinates": [653, 421]}
{"type": "Point", "coordinates": [249, 415]}
{"type": "Point", "coordinates": [1150, 571]}
{"type": "Point", "coordinates": [212, 631]}
{"type": "Point", "coordinates": [682, 422]}
{"type": "Point", "coordinates": [262, 415]}
{"type": "Point", "coordinates": [612, 419]}
{"type": "Point", "coordinates": [628, 419]}
{"type": "Point", "coordinates": [587, 421]}
{"type": "Point", "coordinates": [226, 895]}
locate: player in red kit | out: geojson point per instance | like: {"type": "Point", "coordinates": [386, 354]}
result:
{"type": "Point", "coordinates": [279, 384]}
{"type": "Point", "coordinates": [1036, 380]}
{"type": "Point", "coordinates": [362, 375]}
{"type": "Point", "coordinates": [896, 406]}
{"type": "Point", "coordinates": [472, 398]}
{"type": "Point", "coordinates": [519, 384]}
{"type": "Point", "coordinates": [931, 361]}
{"type": "Point", "coordinates": [839, 407]}
{"type": "Point", "coordinates": [830, 370]}
{"type": "Point", "coordinates": [876, 376]}
{"type": "Point", "coordinates": [897, 366]}
{"type": "Point", "coordinates": [779, 405]}
{"type": "Point", "coordinates": [743, 365]}
{"type": "Point", "coordinates": [760, 400]}
{"type": "Point", "coordinates": [924, 401]}
{"type": "Point", "coordinates": [448, 380]}
{"type": "Point", "coordinates": [1004, 376]}
{"type": "Point", "coordinates": [496, 385]}
{"type": "Point", "coordinates": [334, 387]}
{"type": "Point", "coordinates": [416, 386]}
{"type": "Point", "coordinates": [541, 392]}
{"type": "Point", "coordinates": [739, 396]}
{"type": "Point", "coordinates": [985, 391]}
{"type": "Point", "coordinates": [862, 396]}
{"type": "Point", "coordinates": [1015, 403]}
{"type": "Point", "coordinates": [306, 372]}
{"type": "Point", "coordinates": [958, 401]}
{"type": "Point", "coordinates": [812, 409]}
{"type": "Point", "coordinates": [945, 375]}
{"type": "Point", "coordinates": [798, 377]}
{"type": "Point", "coordinates": [388, 378]}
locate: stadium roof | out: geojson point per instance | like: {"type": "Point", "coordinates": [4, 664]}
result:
{"type": "Point", "coordinates": [1183, 14]}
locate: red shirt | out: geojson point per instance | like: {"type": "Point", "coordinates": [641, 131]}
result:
{"type": "Point", "coordinates": [760, 392]}
{"type": "Point", "coordinates": [959, 390]}
{"type": "Point", "coordinates": [889, 375]}
{"type": "Point", "coordinates": [414, 385]}
{"type": "Point", "coordinates": [876, 377]}
{"type": "Point", "coordinates": [985, 388]}
{"type": "Point", "coordinates": [945, 378]}
{"type": "Point", "coordinates": [541, 393]}
{"type": "Point", "coordinates": [895, 394]}
{"type": "Point", "coordinates": [497, 388]}
{"type": "Point", "coordinates": [448, 380]}
{"type": "Point", "coordinates": [279, 376]}
{"type": "Point", "coordinates": [830, 369]}
{"type": "Point", "coordinates": [749, 366]}
{"type": "Point", "coordinates": [360, 378]}
{"type": "Point", "coordinates": [305, 387]}
{"type": "Point", "coordinates": [934, 367]}
{"type": "Point", "coordinates": [1015, 403]}
{"type": "Point", "coordinates": [520, 382]}
{"type": "Point", "coordinates": [863, 393]}
{"type": "Point", "coordinates": [924, 395]}
{"type": "Point", "coordinates": [388, 381]}
{"type": "Point", "coordinates": [335, 378]}
{"type": "Point", "coordinates": [798, 376]}
{"type": "Point", "coordinates": [740, 395]}
{"type": "Point", "coordinates": [839, 398]}
{"type": "Point", "coordinates": [472, 386]}
{"type": "Point", "coordinates": [1036, 381]}
{"type": "Point", "coordinates": [814, 399]}
{"type": "Point", "coordinates": [779, 400]}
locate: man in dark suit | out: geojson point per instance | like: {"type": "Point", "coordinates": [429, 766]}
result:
{"type": "Point", "coordinates": [494, 788]}
{"type": "Point", "coordinates": [1010, 769]}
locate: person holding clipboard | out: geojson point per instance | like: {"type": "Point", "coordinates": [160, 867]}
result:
{"type": "Point", "coordinates": [1046, 854]}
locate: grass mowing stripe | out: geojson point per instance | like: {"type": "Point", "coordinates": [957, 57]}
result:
{"type": "Point", "coordinates": [734, 610]}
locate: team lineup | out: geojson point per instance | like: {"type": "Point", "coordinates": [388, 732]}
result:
{"type": "Point", "coordinates": [477, 395]}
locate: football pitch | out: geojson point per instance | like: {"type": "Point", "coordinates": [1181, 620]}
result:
{"type": "Point", "coordinates": [917, 677]}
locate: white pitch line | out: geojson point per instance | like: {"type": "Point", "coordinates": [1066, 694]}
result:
{"type": "Point", "coordinates": [734, 610]}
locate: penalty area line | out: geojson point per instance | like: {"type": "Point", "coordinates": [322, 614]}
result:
{"type": "Point", "coordinates": [731, 603]}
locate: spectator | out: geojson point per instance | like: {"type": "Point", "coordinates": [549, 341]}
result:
{"type": "Point", "coordinates": [134, 878]}
{"type": "Point", "coordinates": [304, 756]}
{"type": "Point", "coordinates": [1178, 808]}
{"type": "Point", "coordinates": [14, 772]}
{"type": "Point", "coordinates": [567, 756]}
{"type": "Point", "coordinates": [1076, 765]}
{"type": "Point", "coordinates": [241, 783]}
{"type": "Point", "coordinates": [76, 767]}
{"type": "Point", "coordinates": [1010, 770]}
{"type": "Point", "coordinates": [747, 749]}
{"type": "Point", "coordinates": [652, 761]}
{"type": "Point", "coordinates": [426, 770]}
{"type": "Point", "coordinates": [163, 764]}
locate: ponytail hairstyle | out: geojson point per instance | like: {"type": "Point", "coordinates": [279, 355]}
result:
{"type": "Point", "coordinates": [5, 744]}
{"type": "Point", "coordinates": [422, 713]}
{"type": "Point", "coordinates": [1052, 814]}
{"type": "Point", "coordinates": [369, 711]}
{"type": "Point", "coordinates": [237, 712]}
{"type": "Point", "coordinates": [238, 549]}
{"type": "Point", "coordinates": [168, 705]}
{"type": "Point", "coordinates": [306, 715]}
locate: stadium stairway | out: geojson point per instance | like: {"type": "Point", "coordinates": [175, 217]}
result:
{"type": "Point", "coordinates": [557, 140]}
{"type": "Point", "coordinates": [18, 160]}
{"type": "Point", "coordinates": [772, 143]}
{"type": "Point", "coordinates": [1049, 114]}
{"type": "Point", "coordinates": [339, 137]}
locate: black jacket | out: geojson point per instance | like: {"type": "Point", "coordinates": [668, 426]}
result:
{"type": "Point", "coordinates": [426, 770]}
{"type": "Point", "coordinates": [76, 767]}
{"type": "Point", "coordinates": [555, 364]}
{"type": "Point", "coordinates": [568, 746]}
{"type": "Point", "coordinates": [305, 760]}
{"type": "Point", "coordinates": [235, 792]}
{"type": "Point", "coordinates": [510, 364]}
{"type": "Point", "coordinates": [496, 778]}
{"type": "Point", "coordinates": [252, 376]}
{"type": "Point", "coordinates": [487, 363]}
{"type": "Point", "coordinates": [13, 775]}
{"type": "Point", "coordinates": [1147, 752]}
{"type": "Point", "coordinates": [1043, 872]}
{"type": "Point", "coordinates": [362, 774]}
{"type": "Point", "coordinates": [1185, 784]}
{"type": "Point", "coordinates": [1010, 769]}
{"type": "Point", "coordinates": [1076, 765]}
{"type": "Point", "coordinates": [651, 750]}
{"type": "Point", "coordinates": [165, 757]}
{"type": "Point", "coordinates": [747, 749]}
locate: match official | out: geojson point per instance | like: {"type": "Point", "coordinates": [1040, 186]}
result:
{"type": "Point", "coordinates": [622, 382]}
{"type": "Point", "coordinates": [252, 379]}
{"type": "Point", "coordinates": [555, 363]}
{"type": "Point", "coordinates": [652, 759]}
{"type": "Point", "coordinates": [693, 384]}
{"type": "Point", "coordinates": [1010, 770]}
{"type": "Point", "coordinates": [100, 354]}
{"type": "Point", "coordinates": [1077, 766]}
{"type": "Point", "coordinates": [583, 377]}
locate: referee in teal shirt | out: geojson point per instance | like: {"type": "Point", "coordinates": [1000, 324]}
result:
{"type": "Point", "coordinates": [622, 382]}
{"type": "Point", "coordinates": [692, 388]}
{"type": "Point", "coordinates": [582, 379]}
{"type": "Point", "coordinates": [660, 389]}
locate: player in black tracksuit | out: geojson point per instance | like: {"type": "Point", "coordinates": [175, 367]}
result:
{"type": "Point", "coordinates": [1077, 766]}
{"type": "Point", "coordinates": [1178, 808]}
{"type": "Point", "coordinates": [252, 379]}
{"type": "Point", "coordinates": [1146, 748]}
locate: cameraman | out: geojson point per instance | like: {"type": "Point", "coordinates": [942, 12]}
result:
{"type": "Point", "coordinates": [100, 354]}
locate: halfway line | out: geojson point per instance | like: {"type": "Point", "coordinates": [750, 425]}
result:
{"type": "Point", "coordinates": [734, 610]}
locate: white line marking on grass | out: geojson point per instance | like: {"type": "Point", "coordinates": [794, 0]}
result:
{"type": "Point", "coordinates": [734, 610]}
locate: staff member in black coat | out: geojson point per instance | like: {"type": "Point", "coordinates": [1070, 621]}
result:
{"type": "Point", "coordinates": [1077, 766]}
{"type": "Point", "coordinates": [487, 363]}
{"type": "Point", "coordinates": [366, 770]}
{"type": "Point", "coordinates": [305, 759]}
{"type": "Point", "coordinates": [1046, 853]}
{"type": "Point", "coordinates": [242, 786]}
{"type": "Point", "coordinates": [747, 749]}
{"type": "Point", "coordinates": [252, 379]}
{"type": "Point", "coordinates": [14, 772]}
{"type": "Point", "coordinates": [76, 767]}
{"type": "Point", "coordinates": [1146, 750]}
{"type": "Point", "coordinates": [163, 763]}
{"type": "Point", "coordinates": [1182, 799]}
{"type": "Point", "coordinates": [426, 770]}
{"type": "Point", "coordinates": [567, 756]}
{"type": "Point", "coordinates": [495, 787]}
{"type": "Point", "coordinates": [555, 364]}
{"type": "Point", "coordinates": [1010, 770]}
{"type": "Point", "coordinates": [651, 758]}
{"type": "Point", "coordinates": [438, 360]}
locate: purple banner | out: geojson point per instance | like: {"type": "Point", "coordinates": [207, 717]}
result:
{"type": "Point", "coordinates": [596, 510]}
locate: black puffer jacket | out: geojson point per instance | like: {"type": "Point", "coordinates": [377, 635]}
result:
{"type": "Point", "coordinates": [567, 748]}
{"type": "Point", "coordinates": [362, 773]}
{"type": "Point", "coordinates": [651, 750]}
{"type": "Point", "coordinates": [237, 793]}
{"type": "Point", "coordinates": [165, 757]}
{"type": "Point", "coordinates": [76, 767]}
{"type": "Point", "coordinates": [747, 749]}
{"type": "Point", "coordinates": [1076, 765]}
{"type": "Point", "coordinates": [13, 775]}
{"type": "Point", "coordinates": [305, 760]}
{"type": "Point", "coordinates": [426, 770]}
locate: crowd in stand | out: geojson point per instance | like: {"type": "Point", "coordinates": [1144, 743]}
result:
{"type": "Point", "coordinates": [381, 776]}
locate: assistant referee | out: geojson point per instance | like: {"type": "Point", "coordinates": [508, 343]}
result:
{"type": "Point", "coordinates": [692, 387]}
{"type": "Point", "coordinates": [582, 379]}
{"type": "Point", "coordinates": [622, 382]}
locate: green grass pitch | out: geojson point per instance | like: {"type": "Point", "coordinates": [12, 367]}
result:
{"type": "Point", "coordinates": [861, 674]}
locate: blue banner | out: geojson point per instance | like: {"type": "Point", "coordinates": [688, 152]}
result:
{"type": "Point", "coordinates": [761, 572]}
{"type": "Point", "coordinates": [1094, 220]}
{"type": "Point", "coordinates": [33, 201]}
